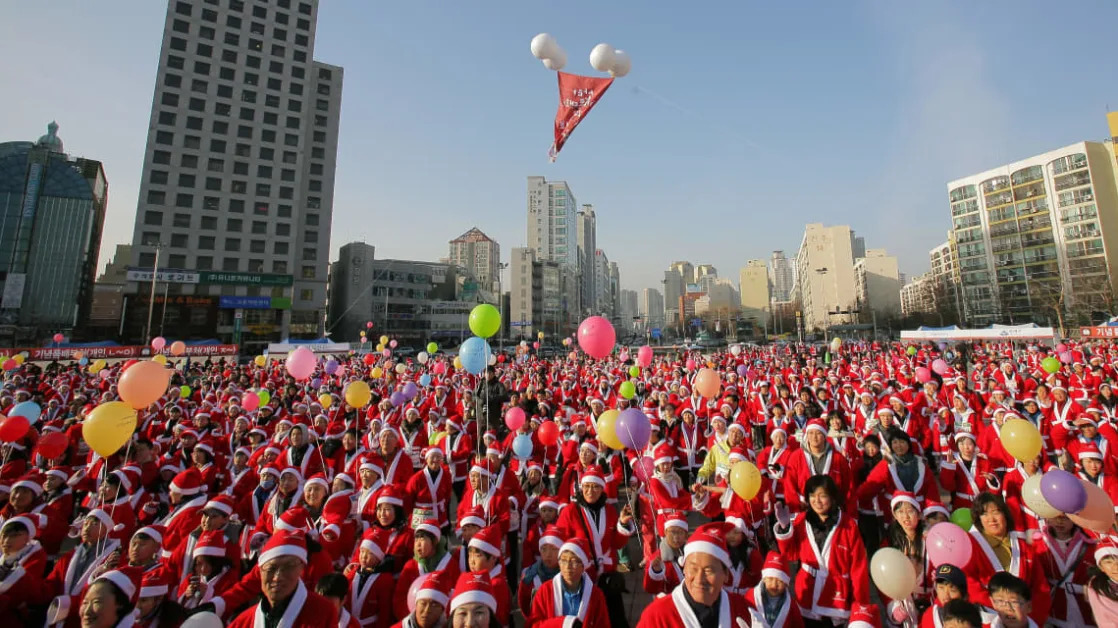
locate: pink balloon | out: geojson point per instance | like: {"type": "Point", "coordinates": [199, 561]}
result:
{"type": "Point", "coordinates": [387, 353]}
{"type": "Point", "coordinates": [1060, 348]}
{"type": "Point", "coordinates": [59, 337]}
{"type": "Point", "coordinates": [413, 590]}
{"type": "Point", "coordinates": [643, 469]}
{"type": "Point", "coordinates": [104, 373]}
{"type": "Point", "coordinates": [690, 364]}
{"type": "Point", "coordinates": [392, 343]}
{"type": "Point", "coordinates": [250, 401]}
{"type": "Point", "coordinates": [301, 363]}
{"type": "Point", "coordinates": [1065, 357]}
{"type": "Point", "coordinates": [939, 366]}
{"type": "Point", "coordinates": [644, 356]}
{"type": "Point", "coordinates": [597, 337]}
{"type": "Point", "coordinates": [536, 346]}
{"type": "Point", "coordinates": [158, 343]}
{"type": "Point", "coordinates": [923, 375]}
{"type": "Point", "coordinates": [947, 543]}
{"type": "Point", "coordinates": [439, 368]}
{"type": "Point", "coordinates": [623, 356]}
{"type": "Point", "coordinates": [514, 418]}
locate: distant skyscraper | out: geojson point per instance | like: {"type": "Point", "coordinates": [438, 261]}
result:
{"type": "Point", "coordinates": [552, 222]}
{"type": "Point", "coordinates": [704, 270]}
{"type": "Point", "coordinates": [630, 303]}
{"type": "Point", "coordinates": [878, 282]}
{"type": "Point", "coordinates": [479, 254]}
{"type": "Point", "coordinates": [52, 208]}
{"type": "Point", "coordinates": [615, 288]}
{"type": "Point", "coordinates": [587, 246]}
{"type": "Point", "coordinates": [651, 307]}
{"type": "Point", "coordinates": [352, 303]}
{"type": "Point", "coordinates": [238, 176]}
{"type": "Point", "coordinates": [754, 289]}
{"type": "Point", "coordinates": [825, 275]}
{"type": "Point", "coordinates": [782, 275]}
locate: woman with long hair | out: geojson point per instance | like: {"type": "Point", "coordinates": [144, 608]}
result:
{"type": "Point", "coordinates": [1102, 587]}
{"type": "Point", "coordinates": [995, 547]}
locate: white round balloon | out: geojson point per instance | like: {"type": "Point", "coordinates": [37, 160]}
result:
{"type": "Point", "coordinates": [621, 63]}
{"type": "Point", "coordinates": [601, 57]}
{"type": "Point", "coordinates": [544, 46]}
{"type": "Point", "coordinates": [492, 360]}
{"type": "Point", "coordinates": [202, 620]}
{"type": "Point", "coordinates": [422, 357]}
{"type": "Point", "coordinates": [556, 62]}
{"type": "Point", "coordinates": [735, 350]}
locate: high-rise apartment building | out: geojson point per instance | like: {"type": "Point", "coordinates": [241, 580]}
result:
{"type": "Point", "coordinates": [479, 254]}
{"type": "Point", "coordinates": [552, 222]}
{"type": "Point", "coordinates": [703, 271]}
{"type": "Point", "coordinates": [782, 276]}
{"type": "Point", "coordinates": [825, 275]}
{"type": "Point", "coordinates": [651, 307]}
{"type": "Point", "coordinates": [918, 295]}
{"type": "Point", "coordinates": [615, 289]}
{"type": "Point", "coordinates": [630, 316]}
{"type": "Point", "coordinates": [1037, 238]}
{"type": "Point", "coordinates": [237, 194]}
{"type": "Point", "coordinates": [753, 285]}
{"type": "Point", "coordinates": [52, 209]}
{"type": "Point", "coordinates": [877, 282]}
{"type": "Point", "coordinates": [540, 293]}
{"type": "Point", "coordinates": [587, 247]}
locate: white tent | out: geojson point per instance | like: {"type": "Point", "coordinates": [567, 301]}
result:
{"type": "Point", "coordinates": [995, 332]}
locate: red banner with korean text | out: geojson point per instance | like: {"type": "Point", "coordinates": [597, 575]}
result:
{"type": "Point", "coordinates": [577, 96]}
{"type": "Point", "coordinates": [47, 354]}
{"type": "Point", "coordinates": [1098, 332]}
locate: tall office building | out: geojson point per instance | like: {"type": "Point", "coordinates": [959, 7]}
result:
{"type": "Point", "coordinates": [52, 209]}
{"type": "Point", "coordinates": [782, 276]}
{"type": "Point", "coordinates": [552, 222]}
{"type": "Point", "coordinates": [686, 272]}
{"type": "Point", "coordinates": [703, 271]}
{"type": "Point", "coordinates": [825, 275]}
{"type": "Point", "coordinates": [351, 303]}
{"type": "Point", "coordinates": [587, 246]}
{"type": "Point", "coordinates": [877, 282]}
{"type": "Point", "coordinates": [1037, 237]}
{"type": "Point", "coordinates": [615, 288]}
{"type": "Point", "coordinates": [651, 307]}
{"type": "Point", "coordinates": [756, 296]}
{"type": "Point", "coordinates": [237, 194]}
{"type": "Point", "coordinates": [603, 297]}
{"type": "Point", "coordinates": [630, 316]}
{"type": "Point", "coordinates": [479, 254]}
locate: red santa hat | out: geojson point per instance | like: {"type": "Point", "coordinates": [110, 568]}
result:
{"type": "Point", "coordinates": [551, 536]}
{"type": "Point", "coordinates": [960, 435]}
{"type": "Point", "coordinates": [663, 453]}
{"type": "Point", "coordinates": [481, 465]}
{"type": "Point", "coordinates": [1106, 547]}
{"type": "Point", "coordinates": [31, 521]}
{"type": "Point", "coordinates": [187, 482]}
{"type": "Point", "coordinates": [1090, 450]}
{"type": "Point", "coordinates": [473, 588]}
{"type": "Point", "coordinates": [589, 444]}
{"type": "Point", "coordinates": [737, 454]}
{"type": "Point", "coordinates": [30, 482]}
{"type": "Point", "coordinates": [293, 520]}
{"type": "Point", "coordinates": [284, 544]}
{"type": "Point", "coordinates": [435, 587]}
{"type": "Point", "coordinates": [127, 579]}
{"type": "Point", "coordinates": [375, 540]}
{"type": "Point", "coordinates": [774, 568]}
{"type": "Point", "coordinates": [593, 475]}
{"type": "Point", "coordinates": [390, 495]}
{"type": "Point", "coordinates": [548, 501]}
{"type": "Point", "coordinates": [580, 548]}
{"type": "Point", "coordinates": [904, 497]}
{"type": "Point", "coordinates": [709, 539]}
{"type": "Point", "coordinates": [816, 424]}
{"type": "Point", "coordinates": [221, 503]}
{"type": "Point", "coordinates": [319, 479]}
{"type": "Point", "coordinates": [676, 520]}
{"type": "Point", "coordinates": [155, 583]}
{"type": "Point", "coordinates": [473, 517]}
{"type": "Point", "coordinates": [488, 540]}
{"type": "Point", "coordinates": [430, 526]}
{"type": "Point", "coordinates": [105, 519]}
{"type": "Point", "coordinates": [864, 616]}
{"type": "Point", "coordinates": [211, 543]}
{"type": "Point", "coordinates": [734, 425]}
{"type": "Point", "coordinates": [935, 507]}
{"type": "Point", "coordinates": [153, 532]}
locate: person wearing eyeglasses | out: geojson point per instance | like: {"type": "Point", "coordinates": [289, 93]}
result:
{"type": "Point", "coordinates": [570, 595]}
{"type": "Point", "coordinates": [286, 600]}
{"type": "Point", "coordinates": [1012, 601]}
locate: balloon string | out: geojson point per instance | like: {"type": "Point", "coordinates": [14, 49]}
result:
{"type": "Point", "coordinates": [651, 495]}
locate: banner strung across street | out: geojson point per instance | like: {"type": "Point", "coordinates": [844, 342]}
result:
{"type": "Point", "coordinates": [42, 354]}
{"type": "Point", "coordinates": [577, 96]}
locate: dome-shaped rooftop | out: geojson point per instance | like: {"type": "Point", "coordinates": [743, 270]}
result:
{"type": "Point", "coordinates": [51, 139]}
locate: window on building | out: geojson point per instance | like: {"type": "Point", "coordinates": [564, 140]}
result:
{"type": "Point", "coordinates": [172, 80]}
{"type": "Point", "coordinates": [236, 206]}
{"type": "Point", "coordinates": [209, 223]}
{"type": "Point", "coordinates": [217, 146]}
{"type": "Point", "coordinates": [213, 184]}
{"type": "Point", "coordinates": [211, 203]}
{"type": "Point", "coordinates": [192, 141]}
{"type": "Point", "coordinates": [231, 264]}
{"type": "Point", "coordinates": [186, 180]}
{"type": "Point", "coordinates": [153, 218]}
{"type": "Point", "coordinates": [157, 197]}
{"type": "Point", "coordinates": [184, 200]}
{"type": "Point", "coordinates": [279, 248]}
{"type": "Point", "coordinates": [161, 157]}
{"type": "Point", "coordinates": [170, 100]}
{"type": "Point", "coordinates": [220, 127]}
{"type": "Point", "coordinates": [204, 262]}
{"type": "Point", "coordinates": [312, 220]}
{"type": "Point", "coordinates": [197, 104]}
{"type": "Point", "coordinates": [284, 211]}
{"type": "Point", "coordinates": [279, 266]}
{"type": "Point", "coordinates": [159, 177]}
{"type": "Point", "coordinates": [178, 240]}
{"type": "Point", "coordinates": [234, 224]}
{"type": "Point", "coordinates": [232, 244]}
{"type": "Point", "coordinates": [308, 272]}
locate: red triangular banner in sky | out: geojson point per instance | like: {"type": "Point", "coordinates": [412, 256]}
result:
{"type": "Point", "coordinates": [577, 96]}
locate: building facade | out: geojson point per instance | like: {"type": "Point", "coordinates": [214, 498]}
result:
{"type": "Point", "coordinates": [877, 283]}
{"type": "Point", "coordinates": [237, 194]}
{"type": "Point", "coordinates": [540, 294]}
{"type": "Point", "coordinates": [782, 276]}
{"type": "Point", "coordinates": [918, 295]}
{"type": "Point", "coordinates": [1036, 239]}
{"type": "Point", "coordinates": [52, 210]}
{"type": "Point", "coordinates": [756, 297]}
{"type": "Point", "coordinates": [587, 247]}
{"type": "Point", "coordinates": [552, 222]}
{"type": "Point", "coordinates": [825, 275]}
{"type": "Point", "coordinates": [479, 254]}
{"type": "Point", "coordinates": [651, 308]}
{"type": "Point", "coordinates": [350, 303]}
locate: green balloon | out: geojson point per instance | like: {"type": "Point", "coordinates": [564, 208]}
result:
{"type": "Point", "coordinates": [185, 391]}
{"type": "Point", "coordinates": [432, 347]}
{"type": "Point", "coordinates": [485, 320]}
{"type": "Point", "coordinates": [635, 371]}
{"type": "Point", "coordinates": [962, 518]}
{"type": "Point", "coordinates": [264, 396]}
{"type": "Point", "coordinates": [628, 390]}
{"type": "Point", "coordinates": [912, 351]}
{"type": "Point", "coordinates": [1050, 364]}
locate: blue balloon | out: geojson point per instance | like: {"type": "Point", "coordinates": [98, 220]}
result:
{"type": "Point", "coordinates": [522, 446]}
{"type": "Point", "coordinates": [28, 410]}
{"type": "Point", "coordinates": [425, 380]}
{"type": "Point", "coordinates": [474, 354]}
{"type": "Point", "coordinates": [83, 361]}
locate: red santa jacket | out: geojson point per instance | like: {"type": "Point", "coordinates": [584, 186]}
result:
{"type": "Point", "coordinates": [984, 564]}
{"type": "Point", "coordinates": [547, 606]}
{"type": "Point", "coordinates": [369, 599]}
{"type": "Point", "coordinates": [605, 535]}
{"type": "Point", "coordinates": [788, 616]}
{"type": "Point", "coordinates": [1066, 573]}
{"type": "Point", "coordinates": [831, 578]}
{"type": "Point", "coordinates": [800, 469]}
{"type": "Point", "coordinates": [431, 492]}
{"type": "Point", "coordinates": [306, 610]}
{"type": "Point", "coordinates": [669, 611]}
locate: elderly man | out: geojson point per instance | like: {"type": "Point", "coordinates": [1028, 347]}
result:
{"type": "Point", "coordinates": [286, 601]}
{"type": "Point", "coordinates": [571, 594]}
{"type": "Point", "coordinates": [700, 600]}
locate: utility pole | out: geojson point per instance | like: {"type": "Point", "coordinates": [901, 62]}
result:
{"type": "Point", "coordinates": [151, 300]}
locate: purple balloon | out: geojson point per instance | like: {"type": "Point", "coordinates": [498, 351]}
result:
{"type": "Point", "coordinates": [1063, 491]}
{"type": "Point", "coordinates": [331, 367]}
{"type": "Point", "coordinates": [742, 370]}
{"type": "Point", "coordinates": [397, 399]}
{"type": "Point", "coordinates": [316, 382]}
{"type": "Point", "coordinates": [410, 391]}
{"type": "Point", "coordinates": [633, 429]}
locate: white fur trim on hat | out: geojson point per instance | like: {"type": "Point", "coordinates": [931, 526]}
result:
{"type": "Point", "coordinates": [430, 529]}
{"type": "Point", "coordinates": [157, 590]}
{"type": "Point", "coordinates": [319, 481]}
{"type": "Point", "coordinates": [368, 544]}
{"type": "Point", "coordinates": [775, 573]}
{"type": "Point", "coordinates": [676, 523]}
{"type": "Point", "coordinates": [553, 541]}
{"type": "Point", "coordinates": [737, 426]}
{"type": "Point", "coordinates": [737, 522]}
{"type": "Point", "coordinates": [1087, 453]}
{"type": "Point", "coordinates": [388, 499]}
{"type": "Point", "coordinates": [1104, 552]}
{"type": "Point", "coordinates": [485, 547]}
{"type": "Point", "coordinates": [477, 521]}
{"type": "Point", "coordinates": [213, 504]}
{"type": "Point", "coordinates": [576, 550]}
{"type": "Point", "coordinates": [473, 597]}
{"type": "Point", "coordinates": [122, 582]}
{"type": "Point", "coordinates": [593, 479]}
{"type": "Point", "coordinates": [208, 550]}
{"type": "Point", "coordinates": [432, 594]}
{"type": "Point", "coordinates": [706, 547]}
{"type": "Point", "coordinates": [150, 532]}
{"type": "Point", "coordinates": [283, 550]}
{"type": "Point", "coordinates": [904, 499]}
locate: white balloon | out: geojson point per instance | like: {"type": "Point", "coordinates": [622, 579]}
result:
{"type": "Point", "coordinates": [601, 57]}
{"type": "Point", "coordinates": [735, 350]}
{"type": "Point", "coordinates": [544, 46]}
{"type": "Point", "coordinates": [203, 620]}
{"type": "Point", "coordinates": [422, 357]}
{"type": "Point", "coordinates": [492, 360]}
{"type": "Point", "coordinates": [557, 62]}
{"type": "Point", "coordinates": [621, 63]}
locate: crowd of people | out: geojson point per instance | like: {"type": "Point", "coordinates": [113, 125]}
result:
{"type": "Point", "coordinates": [428, 507]}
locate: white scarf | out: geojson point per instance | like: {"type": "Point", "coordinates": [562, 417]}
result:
{"type": "Point", "coordinates": [289, 616]}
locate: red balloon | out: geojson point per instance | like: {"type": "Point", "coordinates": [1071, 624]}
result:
{"type": "Point", "coordinates": [548, 433]}
{"type": "Point", "coordinates": [12, 428]}
{"type": "Point", "coordinates": [127, 365]}
{"type": "Point", "coordinates": [501, 358]}
{"type": "Point", "coordinates": [370, 359]}
{"type": "Point", "coordinates": [52, 445]}
{"type": "Point", "coordinates": [228, 373]}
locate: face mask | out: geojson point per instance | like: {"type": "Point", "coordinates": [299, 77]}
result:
{"type": "Point", "coordinates": [268, 483]}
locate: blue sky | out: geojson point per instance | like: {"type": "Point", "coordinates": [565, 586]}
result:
{"type": "Point", "coordinates": [738, 124]}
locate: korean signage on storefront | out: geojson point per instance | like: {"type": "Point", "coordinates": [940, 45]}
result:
{"type": "Point", "coordinates": [211, 276]}
{"type": "Point", "coordinates": [43, 354]}
{"type": "Point", "coordinates": [1098, 332]}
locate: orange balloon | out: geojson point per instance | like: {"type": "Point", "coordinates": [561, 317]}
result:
{"type": "Point", "coordinates": [178, 348]}
{"type": "Point", "coordinates": [708, 383]}
{"type": "Point", "coordinates": [143, 384]}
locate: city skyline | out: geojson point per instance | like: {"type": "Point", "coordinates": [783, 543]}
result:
{"type": "Point", "coordinates": [896, 122]}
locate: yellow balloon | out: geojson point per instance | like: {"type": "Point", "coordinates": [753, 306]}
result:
{"type": "Point", "coordinates": [607, 429]}
{"type": "Point", "coordinates": [260, 360]}
{"type": "Point", "coordinates": [400, 368]}
{"type": "Point", "coordinates": [540, 335]}
{"type": "Point", "coordinates": [160, 358]}
{"type": "Point", "coordinates": [745, 479]}
{"type": "Point", "coordinates": [377, 373]}
{"type": "Point", "coordinates": [18, 358]}
{"type": "Point", "coordinates": [1021, 439]}
{"type": "Point", "coordinates": [108, 427]}
{"type": "Point", "coordinates": [383, 341]}
{"type": "Point", "coordinates": [357, 394]}
{"type": "Point", "coordinates": [457, 364]}
{"type": "Point", "coordinates": [326, 400]}
{"type": "Point", "coordinates": [380, 348]}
